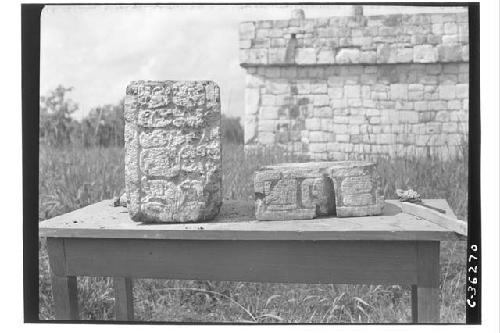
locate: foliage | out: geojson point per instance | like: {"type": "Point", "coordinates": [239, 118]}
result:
{"type": "Point", "coordinates": [103, 126]}
{"type": "Point", "coordinates": [232, 132]}
{"type": "Point", "coordinates": [56, 123]}
{"type": "Point", "coordinates": [73, 177]}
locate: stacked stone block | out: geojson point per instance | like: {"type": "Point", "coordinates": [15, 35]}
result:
{"type": "Point", "coordinates": [392, 85]}
{"type": "Point", "coordinates": [173, 151]}
{"type": "Point", "coordinates": [308, 190]}
{"type": "Point", "coordinates": [421, 38]}
{"type": "Point", "coordinates": [340, 112]}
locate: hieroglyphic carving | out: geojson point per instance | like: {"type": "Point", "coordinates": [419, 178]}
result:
{"type": "Point", "coordinates": [173, 150]}
{"type": "Point", "coordinates": [285, 191]}
{"type": "Point", "coordinates": [308, 190]}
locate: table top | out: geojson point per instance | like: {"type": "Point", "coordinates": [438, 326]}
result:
{"type": "Point", "coordinates": [236, 221]}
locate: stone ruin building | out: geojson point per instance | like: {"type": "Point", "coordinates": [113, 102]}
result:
{"type": "Point", "coordinates": [357, 86]}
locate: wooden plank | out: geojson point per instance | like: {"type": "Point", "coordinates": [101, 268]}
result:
{"type": "Point", "coordinates": [124, 298]}
{"type": "Point", "coordinates": [425, 293]}
{"type": "Point", "coordinates": [257, 261]}
{"type": "Point", "coordinates": [103, 221]}
{"type": "Point", "coordinates": [433, 216]}
{"type": "Point", "coordinates": [64, 288]}
{"type": "Point", "coordinates": [57, 257]}
{"type": "Point", "coordinates": [414, 303]}
{"type": "Point", "coordinates": [65, 294]}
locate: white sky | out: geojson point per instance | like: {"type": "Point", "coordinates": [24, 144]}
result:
{"type": "Point", "coordinates": [99, 49]}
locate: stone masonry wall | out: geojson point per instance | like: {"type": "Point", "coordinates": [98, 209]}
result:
{"type": "Point", "coordinates": [341, 87]}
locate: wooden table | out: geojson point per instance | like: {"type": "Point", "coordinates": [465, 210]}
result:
{"type": "Point", "coordinates": [101, 240]}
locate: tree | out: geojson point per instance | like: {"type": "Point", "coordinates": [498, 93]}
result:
{"type": "Point", "coordinates": [56, 123]}
{"type": "Point", "coordinates": [104, 126]}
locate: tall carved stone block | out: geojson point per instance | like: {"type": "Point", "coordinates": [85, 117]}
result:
{"type": "Point", "coordinates": [173, 151]}
{"type": "Point", "coordinates": [308, 190]}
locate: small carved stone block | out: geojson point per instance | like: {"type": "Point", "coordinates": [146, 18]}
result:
{"type": "Point", "coordinates": [357, 191]}
{"type": "Point", "coordinates": [173, 151]}
{"type": "Point", "coordinates": [308, 190]}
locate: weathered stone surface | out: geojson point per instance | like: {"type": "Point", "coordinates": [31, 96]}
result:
{"type": "Point", "coordinates": [173, 151]}
{"type": "Point", "coordinates": [308, 190]}
{"type": "Point", "coordinates": [313, 84]}
{"type": "Point", "coordinates": [388, 38]}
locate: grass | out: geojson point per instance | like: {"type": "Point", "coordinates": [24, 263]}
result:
{"type": "Point", "coordinates": [73, 177]}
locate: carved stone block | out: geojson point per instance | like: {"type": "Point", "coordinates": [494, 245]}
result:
{"type": "Point", "coordinates": [173, 151]}
{"type": "Point", "coordinates": [356, 186]}
{"type": "Point", "coordinates": [308, 190]}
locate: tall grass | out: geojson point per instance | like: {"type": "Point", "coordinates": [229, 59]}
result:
{"type": "Point", "coordinates": [73, 177]}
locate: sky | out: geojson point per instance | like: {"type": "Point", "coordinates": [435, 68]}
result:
{"type": "Point", "coordinates": [98, 50]}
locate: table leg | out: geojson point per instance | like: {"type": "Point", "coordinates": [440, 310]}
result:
{"type": "Point", "coordinates": [425, 294]}
{"type": "Point", "coordinates": [124, 298]}
{"type": "Point", "coordinates": [64, 291]}
{"type": "Point", "coordinates": [64, 288]}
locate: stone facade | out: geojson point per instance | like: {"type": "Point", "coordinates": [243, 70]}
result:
{"type": "Point", "coordinates": [344, 87]}
{"type": "Point", "coordinates": [173, 151]}
{"type": "Point", "coordinates": [308, 190]}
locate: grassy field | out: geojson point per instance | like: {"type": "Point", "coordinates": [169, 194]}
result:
{"type": "Point", "coordinates": [73, 177]}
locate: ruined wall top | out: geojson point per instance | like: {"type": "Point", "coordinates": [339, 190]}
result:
{"type": "Point", "coordinates": [357, 39]}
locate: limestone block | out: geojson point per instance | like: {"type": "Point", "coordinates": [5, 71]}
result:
{"type": "Point", "coordinates": [465, 53]}
{"type": "Point", "coordinates": [443, 18]}
{"type": "Point", "coordinates": [450, 39]}
{"type": "Point", "coordinates": [450, 53]}
{"type": "Point", "coordinates": [342, 138]}
{"type": "Point", "coordinates": [250, 129]}
{"type": "Point", "coordinates": [434, 39]}
{"type": "Point", "coordinates": [277, 87]}
{"type": "Point", "coordinates": [305, 56]}
{"type": "Point", "coordinates": [335, 92]}
{"type": "Point", "coordinates": [450, 127]}
{"type": "Point", "coordinates": [313, 124]}
{"type": "Point", "coordinates": [386, 53]}
{"type": "Point", "coordinates": [277, 42]}
{"type": "Point", "coordinates": [447, 91]}
{"type": "Point", "coordinates": [315, 147]}
{"type": "Point", "coordinates": [404, 55]}
{"type": "Point", "coordinates": [267, 125]}
{"type": "Point", "coordinates": [318, 136]}
{"type": "Point", "coordinates": [268, 112]}
{"type": "Point", "coordinates": [173, 151]}
{"type": "Point", "coordinates": [308, 190]}
{"type": "Point", "coordinates": [303, 87]}
{"type": "Point", "coordinates": [277, 56]}
{"type": "Point", "coordinates": [462, 90]}
{"type": "Point", "coordinates": [348, 56]}
{"type": "Point", "coordinates": [318, 87]}
{"type": "Point", "coordinates": [262, 33]}
{"type": "Point", "coordinates": [368, 57]}
{"type": "Point", "coordinates": [321, 100]}
{"type": "Point", "coordinates": [399, 91]}
{"type": "Point", "coordinates": [450, 28]}
{"type": "Point", "coordinates": [245, 44]}
{"type": "Point", "coordinates": [247, 30]}
{"type": "Point", "coordinates": [283, 193]}
{"type": "Point", "coordinates": [455, 104]}
{"type": "Point", "coordinates": [438, 28]}
{"type": "Point", "coordinates": [251, 100]}
{"type": "Point", "coordinates": [326, 56]}
{"type": "Point", "coordinates": [267, 138]}
{"type": "Point", "coordinates": [352, 91]}
{"type": "Point", "coordinates": [425, 54]}
{"type": "Point", "coordinates": [288, 72]}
